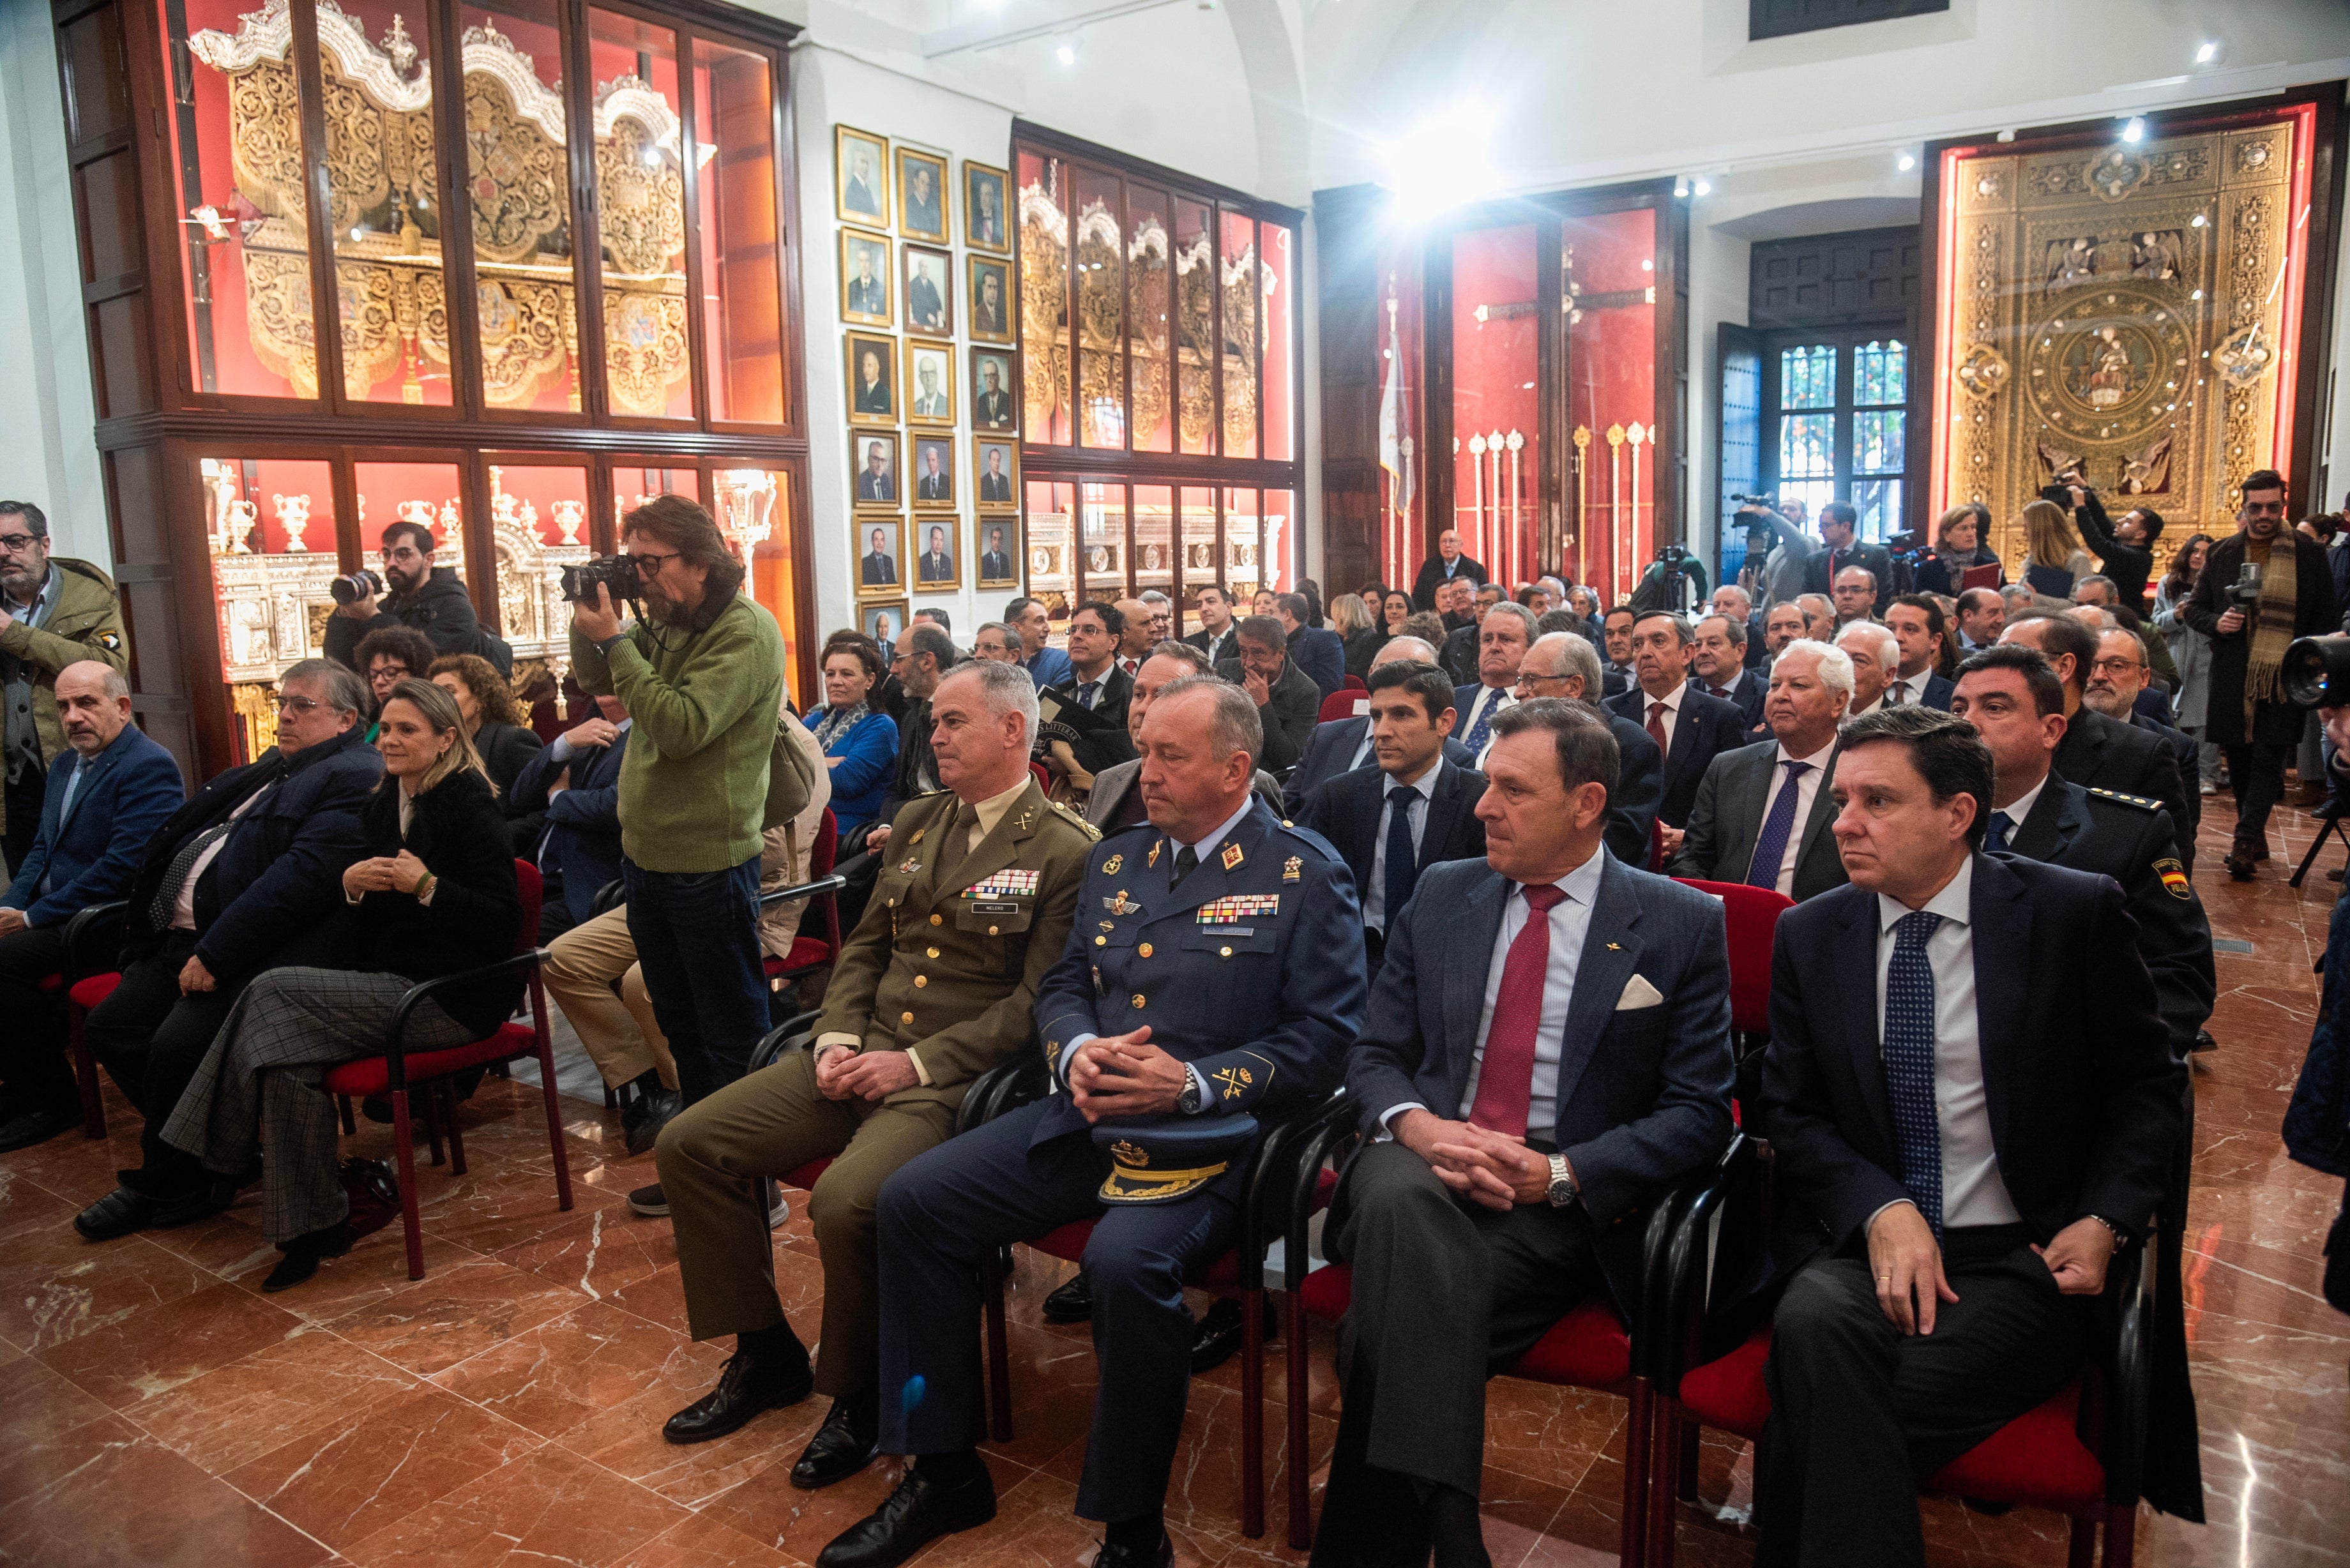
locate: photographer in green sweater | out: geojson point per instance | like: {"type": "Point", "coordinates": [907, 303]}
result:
{"type": "Point", "coordinates": [702, 673]}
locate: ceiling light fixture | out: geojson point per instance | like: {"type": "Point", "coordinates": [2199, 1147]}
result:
{"type": "Point", "coordinates": [1065, 50]}
{"type": "Point", "coordinates": [2135, 131]}
{"type": "Point", "coordinates": [1445, 162]}
{"type": "Point", "coordinates": [1704, 187]}
{"type": "Point", "coordinates": [2209, 52]}
{"type": "Point", "coordinates": [1906, 163]}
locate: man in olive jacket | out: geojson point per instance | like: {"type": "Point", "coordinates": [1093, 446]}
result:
{"type": "Point", "coordinates": [937, 986]}
{"type": "Point", "coordinates": [701, 674]}
{"type": "Point", "coordinates": [53, 611]}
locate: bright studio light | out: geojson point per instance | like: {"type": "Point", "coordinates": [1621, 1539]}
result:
{"type": "Point", "coordinates": [2134, 132]}
{"type": "Point", "coordinates": [2207, 54]}
{"type": "Point", "coordinates": [1445, 162]}
{"type": "Point", "coordinates": [1906, 163]}
{"type": "Point", "coordinates": [1704, 187]}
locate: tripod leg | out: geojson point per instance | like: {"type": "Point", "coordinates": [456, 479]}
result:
{"type": "Point", "coordinates": [2333, 826]}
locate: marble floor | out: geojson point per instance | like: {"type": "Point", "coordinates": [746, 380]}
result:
{"type": "Point", "coordinates": [156, 1409]}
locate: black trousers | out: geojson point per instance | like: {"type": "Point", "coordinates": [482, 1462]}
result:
{"type": "Point", "coordinates": [1860, 1413]}
{"type": "Point", "coordinates": [1447, 1294]}
{"type": "Point", "coordinates": [24, 793]}
{"type": "Point", "coordinates": [2256, 778]}
{"type": "Point", "coordinates": [151, 1038]}
{"type": "Point", "coordinates": [34, 1070]}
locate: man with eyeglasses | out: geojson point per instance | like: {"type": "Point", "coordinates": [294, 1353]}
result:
{"type": "Point", "coordinates": [246, 876]}
{"type": "Point", "coordinates": [1562, 664]}
{"type": "Point", "coordinates": [921, 660]}
{"type": "Point", "coordinates": [53, 611]}
{"type": "Point", "coordinates": [430, 598]}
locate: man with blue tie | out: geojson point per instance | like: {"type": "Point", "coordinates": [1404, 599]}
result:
{"type": "Point", "coordinates": [1974, 1106]}
{"type": "Point", "coordinates": [95, 823]}
{"type": "Point", "coordinates": [1342, 745]}
{"type": "Point", "coordinates": [1502, 639]}
{"type": "Point", "coordinates": [1719, 668]}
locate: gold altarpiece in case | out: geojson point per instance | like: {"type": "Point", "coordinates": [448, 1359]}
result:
{"type": "Point", "coordinates": [2127, 310]}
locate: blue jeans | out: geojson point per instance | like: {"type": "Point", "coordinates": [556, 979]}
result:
{"type": "Point", "coordinates": [697, 936]}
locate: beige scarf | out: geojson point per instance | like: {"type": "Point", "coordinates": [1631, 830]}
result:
{"type": "Point", "coordinates": [2272, 623]}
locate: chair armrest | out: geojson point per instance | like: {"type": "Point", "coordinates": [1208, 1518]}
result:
{"type": "Point", "coordinates": [93, 939]}
{"type": "Point", "coordinates": [2126, 1362]}
{"type": "Point", "coordinates": [1000, 1088]}
{"type": "Point", "coordinates": [854, 866]}
{"type": "Point", "coordinates": [395, 1049]}
{"type": "Point", "coordinates": [822, 885]}
{"type": "Point", "coordinates": [609, 898]}
{"type": "Point", "coordinates": [792, 1034]}
{"type": "Point", "coordinates": [1330, 1128]}
{"type": "Point", "coordinates": [1679, 1274]}
{"type": "Point", "coordinates": [1275, 1175]}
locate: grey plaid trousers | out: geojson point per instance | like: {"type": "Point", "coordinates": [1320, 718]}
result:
{"type": "Point", "coordinates": [266, 1076]}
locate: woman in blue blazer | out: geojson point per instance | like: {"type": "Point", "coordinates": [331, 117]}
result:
{"type": "Point", "coordinates": [859, 741]}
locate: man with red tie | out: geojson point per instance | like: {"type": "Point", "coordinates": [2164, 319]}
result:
{"type": "Point", "coordinates": [1590, 1070]}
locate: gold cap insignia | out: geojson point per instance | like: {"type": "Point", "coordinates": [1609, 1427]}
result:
{"type": "Point", "coordinates": [1232, 856]}
{"type": "Point", "coordinates": [1127, 1152]}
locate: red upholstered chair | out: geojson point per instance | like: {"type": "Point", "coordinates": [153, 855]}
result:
{"type": "Point", "coordinates": [392, 1073]}
{"type": "Point", "coordinates": [1344, 704]}
{"type": "Point", "coordinates": [810, 952]}
{"type": "Point", "coordinates": [1354, 683]}
{"type": "Point", "coordinates": [1042, 775]}
{"type": "Point", "coordinates": [1752, 917]}
{"type": "Point", "coordinates": [93, 940]}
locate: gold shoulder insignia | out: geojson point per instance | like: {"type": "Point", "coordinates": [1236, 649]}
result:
{"type": "Point", "coordinates": [1093, 834]}
{"type": "Point", "coordinates": [2140, 801]}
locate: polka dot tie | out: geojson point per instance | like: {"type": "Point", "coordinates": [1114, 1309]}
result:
{"type": "Point", "coordinates": [1909, 1063]}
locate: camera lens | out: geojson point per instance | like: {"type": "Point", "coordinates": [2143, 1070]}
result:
{"type": "Point", "coordinates": [2316, 673]}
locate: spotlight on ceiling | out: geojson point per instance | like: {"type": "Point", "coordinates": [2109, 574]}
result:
{"type": "Point", "coordinates": [1065, 50]}
{"type": "Point", "coordinates": [1681, 188]}
{"type": "Point", "coordinates": [2135, 130]}
{"type": "Point", "coordinates": [1906, 163]}
{"type": "Point", "coordinates": [2210, 52]}
{"type": "Point", "coordinates": [1444, 162]}
{"type": "Point", "coordinates": [1703, 187]}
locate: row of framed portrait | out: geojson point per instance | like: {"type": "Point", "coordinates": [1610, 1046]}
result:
{"type": "Point", "coordinates": [883, 570]}
{"type": "Point", "coordinates": [924, 392]}
{"type": "Point", "coordinates": [923, 209]}
{"type": "Point", "coordinates": [937, 481]}
{"type": "Point", "coordinates": [924, 281]}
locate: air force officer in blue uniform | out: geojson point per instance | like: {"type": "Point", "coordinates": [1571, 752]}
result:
{"type": "Point", "coordinates": [1216, 970]}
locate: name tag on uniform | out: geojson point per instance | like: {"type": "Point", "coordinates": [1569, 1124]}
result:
{"type": "Point", "coordinates": [1010, 883]}
{"type": "Point", "coordinates": [1238, 906]}
{"type": "Point", "coordinates": [1231, 930]}
{"type": "Point", "coordinates": [979, 908]}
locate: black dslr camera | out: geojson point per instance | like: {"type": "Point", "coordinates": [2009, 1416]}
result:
{"type": "Point", "coordinates": [2316, 672]}
{"type": "Point", "coordinates": [617, 573]}
{"type": "Point", "coordinates": [351, 589]}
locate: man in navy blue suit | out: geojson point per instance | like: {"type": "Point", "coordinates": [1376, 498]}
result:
{"type": "Point", "coordinates": [96, 820]}
{"type": "Point", "coordinates": [1917, 625]}
{"type": "Point", "coordinates": [576, 782]}
{"type": "Point", "coordinates": [1342, 745]}
{"type": "Point", "coordinates": [1216, 970]}
{"type": "Point", "coordinates": [1720, 668]}
{"type": "Point", "coordinates": [1547, 1049]}
{"type": "Point", "coordinates": [1557, 667]}
{"type": "Point", "coordinates": [1690, 728]}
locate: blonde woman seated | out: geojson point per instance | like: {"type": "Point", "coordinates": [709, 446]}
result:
{"type": "Point", "coordinates": [2053, 555]}
{"type": "Point", "coordinates": [433, 894]}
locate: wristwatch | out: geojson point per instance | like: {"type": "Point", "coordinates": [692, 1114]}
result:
{"type": "Point", "coordinates": [1562, 1189]}
{"type": "Point", "coordinates": [1189, 1102]}
{"type": "Point", "coordinates": [2121, 1237]}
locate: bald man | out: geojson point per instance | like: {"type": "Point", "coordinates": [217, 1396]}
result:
{"type": "Point", "coordinates": [1134, 644]}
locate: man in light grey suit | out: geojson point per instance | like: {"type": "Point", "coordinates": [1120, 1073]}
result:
{"type": "Point", "coordinates": [1762, 811]}
{"type": "Point", "coordinates": [1117, 799]}
{"type": "Point", "coordinates": [1546, 1052]}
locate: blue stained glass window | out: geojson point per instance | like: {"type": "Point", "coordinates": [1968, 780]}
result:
{"type": "Point", "coordinates": [1880, 374]}
{"type": "Point", "coordinates": [1807, 377]}
{"type": "Point", "coordinates": [1877, 439]}
{"type": "Point", "coordinates": [1807, 446]}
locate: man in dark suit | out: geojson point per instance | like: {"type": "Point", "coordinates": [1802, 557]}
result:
{"type": "Point", "coordinates": [2096, 753]}
{"type": "Point", "coordinates": [1838, 526]}
{"type": "Point", "coordinates": [934, 482]}
{"type": "Point", "coordinates": [1410, 809]}
{"type": "Point", "coordinates": [1096, 680]}
{"type": "Point", "coordinates": [99, 810]}
{"type": "Point", "coordinates": [867, 293]}
{"type": "Point", "coordinates": [1503, 635]}
{"type": "Point", "coordinates": [1448, 565]}
{"type": "Point", "coordinates": [1287, 703]}
{"type": "Point", "coordinates": [992, 410]}
{"type": "Point", "coordinates": [1315, 649]}
{"type": "Point", "coordinates": [1185, 1037]}
{"type": "Point", "coordinates": [1974, 1105]}
{"type": "Point", "coordinates": [1763, 812]}
{"type": "Point", "coordinates": [996, 561]}
{"type": "Point", "coordinates": [1219, 632]}
{"type": "Point", "coordinates": [926, 307]}
{"type": "Point", "coordinates": [1563, 665]}
{"type": "Point", "coordinates": [996, 486]}
{"type": "Point", "coordinates": [1457, 652]}
{"type": "Point", "coordinates": [576, 782]}
{"type": "Point", "coordinates": [935, 565]}
{"type": "Point", "coordinates": [246, 876]}
{"type": "Point", "coordinates": [1342, 745]}
{"type": "Point", "coordinates": [2120, 686]}
{"type": "Point", "coordinates": [1547, 1050]}
{"type": "Point", "coordinates": [1116, 803]}
{"type": "Point", "coordinates": [1918, 626]}
{"type": "Point", "coordinates": [2016, 703]}
{"type": "Point", "coordinates": [1719, 668]}
{"type": "Point", "coordinates": [873, 395]}
{"type": "Point", "coordinates": [875, 482]}
{"type": "Point", "coordinates": [1690, 728]}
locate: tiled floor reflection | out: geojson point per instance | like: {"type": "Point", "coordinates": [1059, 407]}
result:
{"type": "Point", "coordinates": [156, 1409]}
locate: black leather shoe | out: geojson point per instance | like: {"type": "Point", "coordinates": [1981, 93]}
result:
{"type": "Point", "coordinates": [2203, 1042]}
{"type": "Point", "coordinates": [38, 1125]}
{"type": "Point", "coordinates": [916, 1513]}
{"type": "Point", "coordinates": [843, 1446]}
{"type": "Point", "coordinates": [1071, 1303]}
{"type": "Point", "coordinates": [745, 1387]}
{"type": "Point", "coordinates": [2241, 864]}
{"type": "Point", "coordinates": [1217, 1338]}
{"type": "Point", "coordinates": [1159, 1556]}
{"type": "Point", "coordinates": [303, 1253]}
{"type": "Point", "coordinates": [118, 1213]}
{"type": "Point", "coordinates": [657, 1108]}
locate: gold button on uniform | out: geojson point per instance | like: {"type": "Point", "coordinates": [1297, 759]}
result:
{"type": "Point", "coordinates": [934, 952]}
{"type": "Point", "coordinates": [905, 1018]}
{"type": "Point", "coordinates": [1223, 953]}
{"type": "Point", "coordinates": [920, 980]}
{"type": "Point", "coordinates": [1144, 950]}
{"type": "Point", "coordinates": [938, 919]}
{"type": "Point", "coordinates": [1137, 999]}
{"type": "Point", "coordinates": [991, 930]}
{"type": "Point", "coordinates": [1101, 941]}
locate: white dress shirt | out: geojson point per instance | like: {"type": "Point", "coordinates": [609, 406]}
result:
{"type": "Point", "coordinates": [184, 910]}
{"type": "Point", "coordinates": [1808, 790]}
{"type": "Point", "coordinates": [1912, 689]}
{"type": "Point", "coordinates": [1973, 1192]}
{"type": "Point", "coordinates": [1570, 923]}
{"type": "Point", "coordinates": [2020, 807]}
{"type": "Point", "coordinates": [1489, 700]}
{"type": "Point", "coordinates": [1375, 894]}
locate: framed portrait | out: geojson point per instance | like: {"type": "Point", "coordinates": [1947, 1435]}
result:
{"type": "Point", "coordinates": [987, 295]}
{"type": "Point", "coordinates": [884, 623]}
{"type": "Point", "coordinates": [872, 363]}
{"type": "Point", "coordinates": [929, 290]}
{"type": "Point", "coordinates": [934, 470]}
{"type": "Point", "coordinates": [873, 457]}
{"type": "Point", "coordinates": [997, 540]}
{"type": "Point", "coordinates": [995, 472]}
{"type": "Point", "coordinates": [937, 567]}
{"type": "Point", "coordinates": [922, 195]}
{"type": "Point", "coordinates": [865, 279]}
{"type": "Point", "coordinates": [995, 395]}
{"type": "Point", "coordinates": [986, 220]}
{"type": "Point", "coordinates": [930, 382]}
{"type": "Point", "coordinates": [860, 176]}
{"type": "Point", "coordinates": [881, 559]}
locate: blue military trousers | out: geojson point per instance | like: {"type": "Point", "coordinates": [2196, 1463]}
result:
{"type": "Point", "coordinates": [986, 1187]}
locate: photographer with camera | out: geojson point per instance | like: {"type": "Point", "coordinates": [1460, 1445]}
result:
{"type": "Point", "coordinates": [414, 593]}
{"type": "Point", "coordinates": [1776, 527]}
{"type": "Point", "coordinates": [2126, 546]}
{"type": "Point", "coordinates": [2259, 589]}
{"type": "Point", "coordinates": [702, 673]}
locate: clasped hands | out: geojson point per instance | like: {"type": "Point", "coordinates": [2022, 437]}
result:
{"type": "Point", "coordinates": [1908, 1264]}
{"type": "Point", "coordinates": [844, 1073]}
{"type": "Point", "coordinates": [1124, 1075]}
{"type": "Point", "coordinates": [1485, 1166]}
{"type": "Point", "coordinates": [384, 873]}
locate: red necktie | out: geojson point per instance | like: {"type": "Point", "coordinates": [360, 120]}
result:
{"type": "Point", "coordinates": [1657, 726]}
{"type": "Point", "coordinates": [1506, 1080]}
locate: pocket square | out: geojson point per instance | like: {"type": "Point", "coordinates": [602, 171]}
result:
{"type": "Point", "coordinates": [1639, 992]}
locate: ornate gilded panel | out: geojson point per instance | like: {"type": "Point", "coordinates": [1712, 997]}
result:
{"type": "Point", "coordinates": [2116, 310]}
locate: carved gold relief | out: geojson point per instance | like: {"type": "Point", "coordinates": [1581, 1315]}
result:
{"type": "Point", "coordinates": [643, 212]}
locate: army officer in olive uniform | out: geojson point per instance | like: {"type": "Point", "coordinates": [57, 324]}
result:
{"type": "Point", "coordinates": [1214, 980]}
{"type": "Point", "coordinates": [937, 985]}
